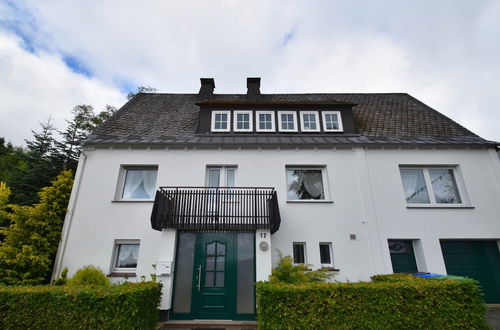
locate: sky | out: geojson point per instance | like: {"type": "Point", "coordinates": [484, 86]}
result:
{"type": "Point", "coordinates": [55, 55]}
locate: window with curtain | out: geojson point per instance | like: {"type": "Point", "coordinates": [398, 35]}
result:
{"type": "Point", "coordinates": [126, 255]}
{"type": "Point", "coordinates": [305, 183]}
{"type": "Point", "coordinates": [430, 186]}
{"type": "Point", "coordinates": [139, 183]}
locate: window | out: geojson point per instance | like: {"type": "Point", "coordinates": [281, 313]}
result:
{"type": "Point", "coordinates": [287, 121]}
{"type": "Point", "coordinates": [325, 254]}
{"type": "Point", "coordinates": [243, 121]}
{"type": "Point", "coordinates": [332, 121]}
{"type": "Point", "coordinates": [138, 182]}
{"type": "Point", "coordinates": [265, 121]}
{"type": "Point", "coordinates": [305, 183]}
{"type": "Point", "coordinates": [299, 253]}
{"type": "Point", "coordinates": [430, 186]}
{"type": "Point", "coordinates": [125, 255]}
{"type": "Point", "coordinates": [309, 121]}
{"type": "Point", "coordinates": [221, 176]}
{"type": "Point", "coordinates": [221, 121]}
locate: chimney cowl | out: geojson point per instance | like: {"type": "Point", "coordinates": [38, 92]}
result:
{"type": "Point", "coordinates": [207, 88]}
{"type": "Point", "coordinates": [253, 87]}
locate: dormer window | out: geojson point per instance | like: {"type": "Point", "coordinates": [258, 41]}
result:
{"type": "Point", "coordinates": [265, 121]}
{"type": "Point", "coordinates": [243, 121]}
{"type": "Point", "coordinates": [309, 121]}
{"type": "Point", "coordinates": [332, 121]}
{"type": "Point", "coordinates": [221, 121]}
{"type": "Point", "coordinates": [287, 121]}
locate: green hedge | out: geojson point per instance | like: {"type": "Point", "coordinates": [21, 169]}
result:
{"type": "Point", "coordinates": [384, 304]}
{"type": "Point", "coordinates": [124, 306]}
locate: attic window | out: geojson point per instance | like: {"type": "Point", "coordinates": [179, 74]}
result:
{"type": "Point", "coordinates": [221, 121]}
{"type": "Point", "coordinates": [309, 121]}
{"type": "Point", "coordinates": [332, 122]}
{"type": "Point", "coordinates": [243, 121]}
{"type": "Point", "coordinates": [265, 121]}
{"type": "Point", "coordinates": [287, 121]}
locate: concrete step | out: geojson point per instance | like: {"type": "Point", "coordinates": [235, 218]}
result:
{"type": "Point", "coordinates": [209, 325]}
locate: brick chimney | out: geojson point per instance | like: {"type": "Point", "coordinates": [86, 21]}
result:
{"type": "Point", "coordinates": [253, 88]}
{"type": "Point", "coordinates": [207, 88]}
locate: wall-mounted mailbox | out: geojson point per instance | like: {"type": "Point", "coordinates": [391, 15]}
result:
{"type": "Point", "coordinates": [163, 268]}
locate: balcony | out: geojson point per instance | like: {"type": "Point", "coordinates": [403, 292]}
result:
{"type": "Point", "coordinates": [216, 209]}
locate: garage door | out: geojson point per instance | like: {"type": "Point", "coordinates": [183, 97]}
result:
{"type": "Point", "coordinates": [479, 260]}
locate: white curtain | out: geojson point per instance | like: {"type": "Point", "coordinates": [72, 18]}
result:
{"type": "Point", "coordinates": [444, 186]}
{"type": "Point", "coordinates": [127, 256]}
{"type": "Point", "coordinates": [313, 182]}
{"type": "Point", "coordinates": [414, 186]}
{"type": "Point", "coordinates": [139, 184]}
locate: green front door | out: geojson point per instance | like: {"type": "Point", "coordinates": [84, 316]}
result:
{"type": "Point", "coordinates": [214, 276]}
{"type": "Point", "coordinates": [479, 260]}
{"type": "Point", "coordinates": [214, 282]}
{"type": "Point", "coordinates": [402, 256]}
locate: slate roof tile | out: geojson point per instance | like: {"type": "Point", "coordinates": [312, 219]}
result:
{"type": "Point", "coordinates": [379, 118]}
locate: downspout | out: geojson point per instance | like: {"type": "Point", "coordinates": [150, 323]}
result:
{"type": "Point", "coordinates": [68, 219]}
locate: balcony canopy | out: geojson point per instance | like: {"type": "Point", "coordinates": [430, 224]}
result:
{"type": "Point", "coordinates": [216, 209]}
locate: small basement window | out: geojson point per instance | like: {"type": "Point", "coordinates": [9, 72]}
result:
{"type": "Point", "coordinates": [332, 121]}
{"type": "Point", "coordinates": [325, 253]}
{"type": "Point", "coordinates": [309, 121]}
{"type": "Point", "coordinates": [221, 121]}
{"type": "Point", "coordinates": [243, 121]}
{"type": "Point", "coordinates": [299, 253]}
{"type": "Point", "coordinates": [126, 253]}
{"type": "Point", "coordinates": [287, 121]}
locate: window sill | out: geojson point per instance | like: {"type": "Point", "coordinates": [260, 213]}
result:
{"type": "Point", "coordinates": [330, 269]}
{"type": "Point", "coordinates": [118, 274]}
{"type": "Point", "coordinates": [132, 201]}
{"type": "Point", "coordinates": [467, 207]}
{"type": "Point", "coordinates": [310, 201]}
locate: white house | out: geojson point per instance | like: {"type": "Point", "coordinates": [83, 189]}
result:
{"type": "Point", "coordinates": [204, 189]}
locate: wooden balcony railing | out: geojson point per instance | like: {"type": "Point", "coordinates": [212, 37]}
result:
{"type": "Point", "coordinates": [216, 208]}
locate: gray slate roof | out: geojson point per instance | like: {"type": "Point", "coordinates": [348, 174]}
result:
{"type": "Point", "coordinates": [393, 118]}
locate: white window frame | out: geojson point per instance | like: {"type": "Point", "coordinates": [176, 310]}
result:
{"type": "Point", "coordinates": [223, 173]}
{"type": "Point", "coordinates": [430, 190]}
{"type": "Point", "coordinates": [257, 121]}
{"type": "Point", "coordinates": [324, 176]}
{"type": "Point", "coordinates": [302, 113]}
{"type": "Point", "coordinates": [122, 176]}
{"type": "Point", "coordinates": [339, 120]}
{"type": "Point", "coordinates": [114, 258]}
{"type": "Point", "coordinates": [228, 113]}
{"type": "Point", "coordinates": [303, 244]}
{"type": "Point", "coordinates": [235, 120]}
{"type": "Point", "coordinates": [330, 250]}
{"type": "Point", "coordinates": [294, 113]}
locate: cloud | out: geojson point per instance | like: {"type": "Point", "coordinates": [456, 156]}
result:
{"type": "Point", "coordinates": [444, 53]}
{"type": "Point", "coordinates": [36, 86]}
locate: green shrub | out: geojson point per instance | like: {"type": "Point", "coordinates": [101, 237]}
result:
{"type": "Point", "coordinates": [89, 275]}
{"type": "Point", "coordinates": [287, 272]}
{"type": "Point", "coordinates": [404, 304]}
{"type": "Point", "coordinates": [124, 306]}
{"type": "Point", "coordinates": [395, 278]}
{"type": "Point", "coordinates": [63, 280]}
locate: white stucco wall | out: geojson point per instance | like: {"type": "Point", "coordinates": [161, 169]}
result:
{"type": "Point", "coordinates": [364, 192]}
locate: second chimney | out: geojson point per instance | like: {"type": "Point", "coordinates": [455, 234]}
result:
{"type": "Point", "coordinates": [253, 88]}
{"type": "Point", "coordinates": [207, 88]}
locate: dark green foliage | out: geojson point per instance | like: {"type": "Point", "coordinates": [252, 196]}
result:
{"type": "Point", "coordinates": [89, 275]}
{"type": "Point", "coordinates": [83, 123]}
{"type": "Point", "coordinates": [392, 304]}
{"type": "Point", "coordinates": [287, 272]}
{"type": "Point", "coordinates": [141, 89]}
{"type": "Point", "coordinates": [30, 241]}
{"type": "Point", "coordinates": [63, 280]}
{"type": "Point", "coordinates": [124, 306]}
